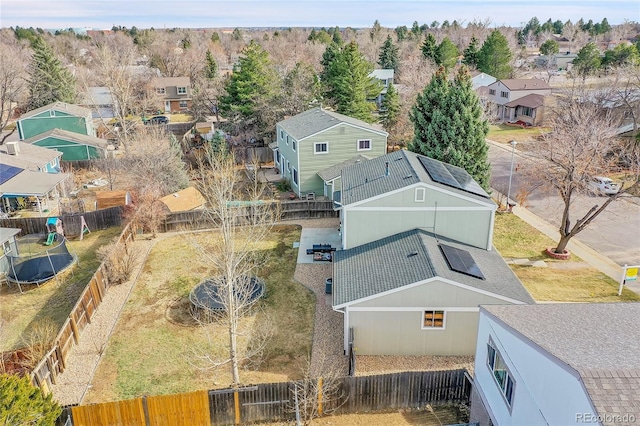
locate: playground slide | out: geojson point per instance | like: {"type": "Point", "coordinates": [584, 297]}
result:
{"type": "Point", "coordinates": [50, 238]}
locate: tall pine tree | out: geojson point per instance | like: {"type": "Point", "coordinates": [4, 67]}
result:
{"type": "Point", "coordinates": [388, 58]}
{"type": "Point", "coordinates": [49, 80]}
{"type": "Point", "coordinates": [471, 53]}
{"type": "Point", "coordinates": [494, 57]}
{"type": "Point", "coordinates": [446, 54]}
{"type": "Point", "coordinates": [449, 125]}
{"type": "Point", "coordinates": [430, 47]}
{"type": "Point", "coordinates": [211, 67]}
{"type": "Point", "coordinates": [390, 108]}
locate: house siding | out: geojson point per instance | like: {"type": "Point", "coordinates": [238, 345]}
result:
{"type": "Point", "coordinates": [71, 151]}
{"type": "Point", "coordinates": [387, 218]}
{"type": "Point", "coordinates": [43, 122]}
{"type": "Point", "coordinates": [535, 401]}
{"type": "Point", "coordinates": [399, 331]}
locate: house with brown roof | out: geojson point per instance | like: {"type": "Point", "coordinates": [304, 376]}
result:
{"type": "Point", "coordinates": [519, 100]}
{"type": "Point", "coordinates": [175, 93]}
{"type": "Point", "coordinates": [557, 364]}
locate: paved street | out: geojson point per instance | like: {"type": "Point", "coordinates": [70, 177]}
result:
{"type": "Point", "coordinates": [615, 233]}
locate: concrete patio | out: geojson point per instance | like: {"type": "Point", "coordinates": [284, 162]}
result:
{"type": "Point", "coordinates": [311, 236]}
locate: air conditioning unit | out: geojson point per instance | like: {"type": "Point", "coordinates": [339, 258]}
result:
{"type": "Point", "coordinates": [13, 148]}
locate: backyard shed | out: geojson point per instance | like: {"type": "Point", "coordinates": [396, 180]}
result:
{"type": "Point", "coordinates": [187, 199]}
{"type": "Point", "coordinates": [106, 199]}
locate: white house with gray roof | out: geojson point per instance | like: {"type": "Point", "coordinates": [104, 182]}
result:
{"type": "Point", "coordinates": [418, 293]}
{"type": "Point", "coordinates": [557, 364]}
{"type": "Point", "coordinates": [402, 190]}
{"type": "Point", "coordinates": [317, 139]}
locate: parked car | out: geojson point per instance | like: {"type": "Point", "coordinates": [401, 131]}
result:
{"type": "Point", "coordinates": [604, 185]}
{"type": "Point", "coordinates": [157, 119]}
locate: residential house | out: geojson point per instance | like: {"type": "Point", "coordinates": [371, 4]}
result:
{"type": "Point", "coordinates": [57, 115]}
{"type": "Point", "coordinates": [417, 293]}
{"type": "Point", "coordinates": [8, 247]}
{"type": "Point", "coordinates": [560, 61]}
{"type": "Point", "coordinates": [402, 190]}
{"type": "Point", "coordinates": [27, 189]}
{"type": "Point", "coordinates": [30, 157]}
{"type": "Point", "coordinates": [101, 103]}
{"type": "Point", "coordinates": [316, 139]}
{"type": "Point", "coordinates": [480, 79]}
{"type": "Point", "coordinates": [186, 199]}
{"type": "Point", "coordinates": [175, 93]}
{"type": "Point", "coordinates": [385, 77]}
{"type": "Point", "coordinates": [519, 99]}
{"type": "Point", "coordinates": [73, 146]}
{"type": "Point", "coordinates": [557, 364]}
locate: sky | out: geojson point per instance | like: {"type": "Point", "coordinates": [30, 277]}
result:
{"type": "Point", "coordinates": [103, 14]}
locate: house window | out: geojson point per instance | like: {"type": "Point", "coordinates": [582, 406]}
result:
{"type": "Point", "coordinates": [293, 144]}
{"type": "Point", "coordinates": [287, 140]}
{"type": "Point", "coordinates": [501, 373]}
{"type": "Point", "coordinates": [321, 148]}
{"type": "Point", "coordinates": [364, 145]}
{"type": "Point", "coordinates": [433, 319]}
{"type": "Point", "coordinates": [281, 135]}
{"type": "Point", "coordinates": [6, 247]}
{"type": "Point", "coordinates": [492, 92]}
{"type": "Point", "coordinates": [295, 177]}
{"type": "Point", "coordinates": [182, 90]}
{"type": "Point", "coordinates": [504, 95]}
{"type": "Point", "coordinates": [420, 195]}
{"type": "Point", "coordinates": [278, 157]}
{"type": "Point", "coordinates": [183, 105]}
{"type": "Point", "coordinates": [526, 111]}
{"type": "Point", "coordinates": [160, 90]}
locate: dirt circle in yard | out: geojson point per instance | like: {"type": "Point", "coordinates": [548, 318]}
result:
{"type": "Point", "coordinates": [209, 298]}
{"type": "Point", "coordinates": [179, 312]}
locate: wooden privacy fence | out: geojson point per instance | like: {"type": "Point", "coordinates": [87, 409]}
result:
{"type": "Point", "coordinates": [276, 401]}
{"type": "Point", "coordinates": [99, 219]}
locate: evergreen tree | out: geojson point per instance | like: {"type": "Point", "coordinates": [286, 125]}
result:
{"type": "Point", "coordinates": [347, 81]}
{"type": "Point", "coordinates": [388, 58]}
{"type": "Point", "coordinates": [494, 57]}
{"type": "Point", "coordinates": [236, 35]}
{"type": "Point", "coordinates": [471, 53]}
{"type": "Point", "coordinates": [390, 108]}
{"type": "Point", "coordinates": [49, 80]}
{"type": "Point", "coordinates": [587, 61]}
{"type": "Point", "coordinates": [549, 47]}
{"type": "Point", "coordinates": [401, 32]}
{"type": "Point", "coordinates": [21, 403]}
{"type": "Point", "coordinates": [211, 67]}
{"type": "Point", "coordinates": [430, 47]}
{"type": "Point", "coordinates": [250, 85]}
{"type": "Point", "coordinates": [446, 54]}
{"type": "Point", "coordinates": [449, 125]}
{"type": "Point", "coordinates": [215, 37]}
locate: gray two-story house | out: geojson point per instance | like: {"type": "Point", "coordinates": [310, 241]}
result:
{"type": "Point", "coordinates": [317, 139]}
{"type": "Point", "coordinates": [519, 99]}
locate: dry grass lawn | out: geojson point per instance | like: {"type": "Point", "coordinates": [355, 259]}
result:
{"type": "Point", "coordinates": [53, 300]}
{"type": "Point", "coordinates": [152, 349]}
{"type": "Point", "coordinates": [504, 134]}
{"type": "Point", "coordinates": [562, 281]}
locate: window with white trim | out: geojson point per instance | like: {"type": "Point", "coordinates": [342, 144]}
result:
{"type": "Point", "coordinates": [364, 145]}
{"type": "Point", "coordinates": [504, 95]}
{"type": "Point", "coordinates": [184, 105]}
{"type": "Point", "coordinates": [281, 134]}
{"type": "Point", "coordinates": [182, 90]}
{"type": "Point", "coordinates": [492, 92]}
{"type": "Point", "coordinates": [293, 144]}
{"type": "Point", "coordinates": [500, 372]}
{"type": "Point", "coordinates": [6, 248]}
{"type": "Point", "coordinates": [420, 195]}
{"type": "Point", "coordinates": [295, 177]}
{"type": "Point", "coordinates": [526, 111]}
{"type": "Point", "coordinates": [321, 148]}
{"type": "Point", "coordinates": [287, 140]}
{"type": "Point", "coordinates": [433, 319]}
{"type": "Point", "coordinates": [160, 90]}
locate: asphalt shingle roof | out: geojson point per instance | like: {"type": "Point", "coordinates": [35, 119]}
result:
{"type": "Point", "coordinates": [60, 106]}
{"type": "Point", "coordinates": [368, 179]}
{"type": "Point", "coordinates": [525, 84]}
{"type": "Point", "coordinates": [69, 136]}
{"type": "Point", "coordinates": [601, 341]}
{"type": "Point", "coordinates": [30, 157]}
{"type": "Point", "coordinates": [414, 256]}
{"type": "Point", "coordinates": [317, 120]}
{"type": "Point", "coordinates": [335, 171]}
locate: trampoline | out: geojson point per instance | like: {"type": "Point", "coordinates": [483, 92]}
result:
{"type": "Point", "coordinates": [206, 297]}
{"type": "Point", "coordinates": [37, 262]}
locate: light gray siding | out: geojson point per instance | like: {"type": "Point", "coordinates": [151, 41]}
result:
{"type": "Point", "coordinates": [445, 214]}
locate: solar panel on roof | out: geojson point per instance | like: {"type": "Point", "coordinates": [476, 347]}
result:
{"type": "Point", "coordinates": [8, 172]}
{"type": "Point", "coordinates": [452, 176]}
{"type": "Point", "coordinates": [461, 261]}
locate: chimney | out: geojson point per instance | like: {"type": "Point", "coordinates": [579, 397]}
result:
{"type": "Point", "coordinates": [386, 173]}
{"type": "Point", "coordinates": [13, 148]}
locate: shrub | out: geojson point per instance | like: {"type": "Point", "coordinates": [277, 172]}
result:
{"type": "Point", "coordinates": [21, 403]}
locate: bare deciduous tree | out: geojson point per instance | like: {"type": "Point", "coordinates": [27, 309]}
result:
{"type": "Point", "coordinates": [13, 83]}
{"type": "Point", "coordinates": [243, 221]}
{"type": "Point", "coordinates": [120, 261]}
{"type": "Point", "coordinates": [580, 146]}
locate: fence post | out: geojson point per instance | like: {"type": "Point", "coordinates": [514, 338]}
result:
{"type": "Point", "coordinates": [319, 396]}
{"type": "Point", "coordinates": [74, 329]}
{"type": "Point", "coordinates": [236, 404]}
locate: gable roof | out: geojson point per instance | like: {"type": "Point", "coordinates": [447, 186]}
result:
{"type": "Point", "coordinates": [368, 179]}
{"type": "Point", "coordinates": [58, 106]}
{"type": "Point", "coordinates": [601, 341]}
{"type": "Point", "coordinates": [30, 157]}
{"type": "Point", "coordinates": [525, 84]}
{"type": "Point", "coordinates": [532, 100]}
{"type": "Point", "coordinates": [69, 136]}
{"type": "Point", "coordinates": [382, 74]}
{"type": "Point", "coordinates": [30, 183]}
{"type": "Point", "coordinates": [317, 120]}
{"type": "Point", "coordinates": [332, 172]}
{"type": "Point", "coordinates": [171, 82]}
{"type": "Point", "coordinates": [8, 233]}
{"type": "Point", "coordinates": [386, 264]}
{"type": "Point", "coordinates": [187, 199]}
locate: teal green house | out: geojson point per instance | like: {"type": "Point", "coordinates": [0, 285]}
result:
{"type": "Point", "coordinates": [73, 146]}
{"type": "Point", "coordinates": [58, 115]}
{"type": "Point", "coordinates": [312, 146]}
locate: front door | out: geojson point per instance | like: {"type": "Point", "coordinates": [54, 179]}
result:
{"type": "Point", "coordinates": [167, 106]}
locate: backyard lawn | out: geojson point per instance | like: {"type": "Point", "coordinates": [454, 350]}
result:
{"type": "Point", "coordinates": [151, 351]}
{"type": "Point", "coordinates": [504, 134]}
{"type": "Point", "coordinates": [562, 280]}
{"type": "Point", "coordinates": [53, 300]}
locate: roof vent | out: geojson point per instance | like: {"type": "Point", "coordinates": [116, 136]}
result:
{"type": "Point", "coordinates": [413, 253]}
{"type": "Point", "coordinates": [407, 177]}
